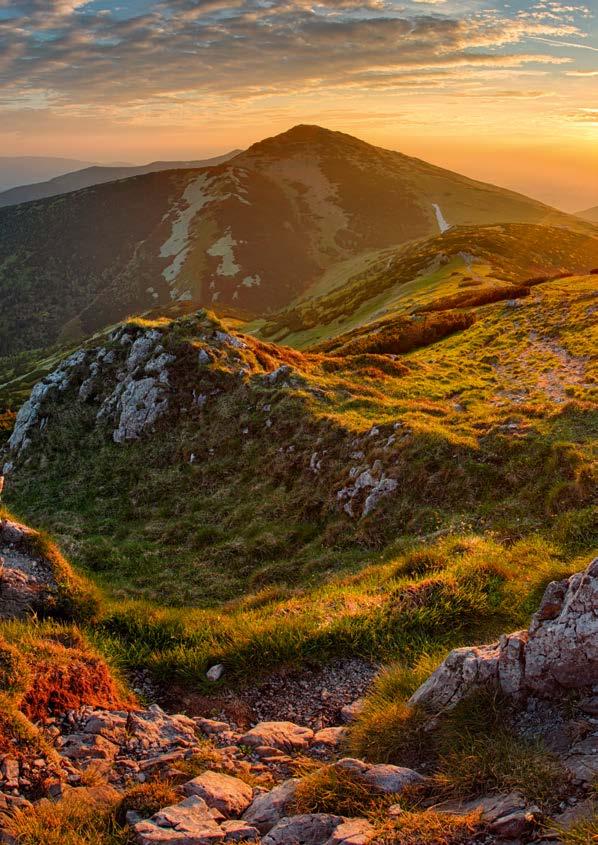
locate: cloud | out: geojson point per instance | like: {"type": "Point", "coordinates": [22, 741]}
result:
{"type": "Point", "coordinates": [585, 116]}
{"type": "Point", "coordinates": [65, 55]}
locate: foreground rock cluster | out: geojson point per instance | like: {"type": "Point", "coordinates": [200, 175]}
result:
{"type": "Point", "coordinates": [558, 652]}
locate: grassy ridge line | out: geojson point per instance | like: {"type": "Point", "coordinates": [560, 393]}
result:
{"type": "Point", "coordinates": [482, 258]}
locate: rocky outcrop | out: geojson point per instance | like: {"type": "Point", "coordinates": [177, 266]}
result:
{"type": "Point", "coordinates": [558, 652]}
{"type": "Point", "coordinates": [128, 380]}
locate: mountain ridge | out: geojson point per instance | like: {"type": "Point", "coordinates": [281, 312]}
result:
{"type": "Point", "coordinates": [97, 175]}
{"type": "Point", "coordinates": [254, 232]}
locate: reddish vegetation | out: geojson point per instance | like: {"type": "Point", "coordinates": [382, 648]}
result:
{"type": "Point", "coordinates": [398, 335]}
{"type": "Point", "coordinates": [471, 298]}
{"type": "Point", "coordinates": [67, 678]}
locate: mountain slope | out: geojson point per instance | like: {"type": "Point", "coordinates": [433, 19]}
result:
{"type": "Point", "coordinates": [97, 175]}
{"type": "Point", "coordinates": [18, 170]}
{"type": "Point", "coordinates": [244, 464]}
{"type": "Point", "coordinates": [590, 214]}
{"type": "Point", "coordinates": [466, 265]}
{"type": "Point", "coordinates": [254, 232]}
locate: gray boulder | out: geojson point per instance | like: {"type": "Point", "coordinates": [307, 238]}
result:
{"type": "Point", "coordinates": [558, 652]}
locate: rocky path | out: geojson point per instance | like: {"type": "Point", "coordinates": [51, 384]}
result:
{"type": "Point", "coordinates": [314, 697]}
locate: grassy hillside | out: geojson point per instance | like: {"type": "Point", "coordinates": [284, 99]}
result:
{"type": "Point", "coordinates": [464, 266]}
{"type": "Point", "coordinates": [590, 214]}
{"type": "Point", "coordinates": [480, 440]}
{"type": "Point", "coordinates": [255, 233]}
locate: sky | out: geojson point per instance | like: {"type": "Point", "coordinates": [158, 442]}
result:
{"type": "Point", "coordinates": [501, 91]}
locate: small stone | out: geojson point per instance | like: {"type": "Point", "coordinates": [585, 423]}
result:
{"type": "Point", "coordinates": [215, 672]}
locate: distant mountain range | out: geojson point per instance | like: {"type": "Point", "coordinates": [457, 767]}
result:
{"type": "Point", "coordinates": [97, 175]}
{"type": "Point", "coordinates": [255, 232]}
{"type": "Point", "coordinates": [21, 170]}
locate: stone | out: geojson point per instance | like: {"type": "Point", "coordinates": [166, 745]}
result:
{"type": "Point", "coordinates": [214, 673]}
{"type": "Point", "coordinates": [268, 809]}
{"type": "Point", "coordinates": [10, 772]}
{"type": "Point", "coordinates": [138, 407]}
{"type": "Point", "coordinates": [352, 832]}
{"type": "Point", "coordinates": [305, 829]}
{"type": "Point", "coordinates": [350, 712]}
{"type": "Point", "coordinates": [330, 737]}
{"type": "Point", "coordinates": [284, 735]}
{"type": "Point", "coordinates": [211, 726]}
{"type": "Point", "coordinates": [464, 671]}
{"type": "Point", "coordinates": [383, 488]}
{"type": "Point", "coordinates": [230, 795]}
{"type": "Point", "coordinates": [562, 647]}
{"type": "Point", "coordinates": [383, 778]}
{"type": "Point", "coordinates": [239, 831]}
{"type": "Point", "coordinates": [81, 746]}
{"type": "Point", "coordinates": [186, 823]}
{"type": "Point", "coordinates": [142, 348]}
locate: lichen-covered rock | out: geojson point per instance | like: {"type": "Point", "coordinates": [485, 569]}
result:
{"type": "Point", "coordinates": [31, 412]}
{"type": "Point", "coordinates": [139, 406]}
{"type": "Point", "coordinates": [559, 651]}
{"type": "Point", "coordinates": [464, 671]}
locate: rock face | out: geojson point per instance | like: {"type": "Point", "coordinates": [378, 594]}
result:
{"type": "Point", "coordinates": [559, 651]}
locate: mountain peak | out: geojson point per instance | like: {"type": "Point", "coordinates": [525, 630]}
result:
{"type": "Point", "coordinates": [306, 134]}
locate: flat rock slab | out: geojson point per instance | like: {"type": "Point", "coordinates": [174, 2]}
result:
{"type": "Point", "coordinates": [284, 735]}
{"type": "Point", "coordinates": [352, 832]}
{"type": "Point", "coordinates": [230, 795]}
{"type": "Point", "coordinates": [186, 823]}
{"type": "Point", "coordinates": [307, 829]}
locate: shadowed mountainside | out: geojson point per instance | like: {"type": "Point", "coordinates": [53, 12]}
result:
{"type": "Point", "coordinates": [254, 232]}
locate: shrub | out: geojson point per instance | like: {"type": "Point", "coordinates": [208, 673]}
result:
{"type": "Point", "coordinates": [429, 828]}
{"type": "Point", "coordinates": [146, 799]}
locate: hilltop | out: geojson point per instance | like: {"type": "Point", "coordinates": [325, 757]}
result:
{"type": "Point", "coordinates": [254, 232]}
